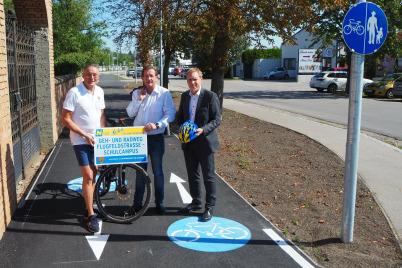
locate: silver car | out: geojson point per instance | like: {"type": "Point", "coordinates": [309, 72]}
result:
{"type": "Point", "coordinates": [332, 81]}
{"type": "Point", "coordinates": [130, 72]}
{"type": "Point", "coordinates": [277, 73]}
{"type": "Point", "coordinates": [397, 89]}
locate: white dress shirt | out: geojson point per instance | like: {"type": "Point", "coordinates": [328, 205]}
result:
{"type": "Point", "coordinates": [157, 107]}
{"type": "Point", "coordinates": [193, 104]}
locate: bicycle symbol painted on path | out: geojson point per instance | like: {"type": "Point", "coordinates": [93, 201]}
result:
{"type": "Point", "coordinates": [195, 230]}
{"type": "Point", "coordinates": [217, 235]}
{"type": "Point", "coordinates": [353, 26]}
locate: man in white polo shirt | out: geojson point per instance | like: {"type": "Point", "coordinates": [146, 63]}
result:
{"type": "Point", "coordinates": [83, 113]}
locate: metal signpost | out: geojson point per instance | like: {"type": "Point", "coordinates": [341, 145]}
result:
{"type": "Point", "coordinates": [364, 30]}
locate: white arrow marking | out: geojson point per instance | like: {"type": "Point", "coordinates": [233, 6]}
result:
{"type": "Point", "coordinates": [288, 249]}
{"type": "Point", "coordinates": [97, 242]}
{"type": "Point", "coordinates": [185, 196]}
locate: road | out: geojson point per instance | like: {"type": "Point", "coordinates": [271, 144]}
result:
{"type": "Point", "coordinates": [380, 116]}
{"type": "Point", "coordinates": [47, 230]}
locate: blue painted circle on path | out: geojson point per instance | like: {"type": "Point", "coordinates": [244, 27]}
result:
{"type": "Point", "coordinates": [76, 185]}
{"type": "Point", "coordinates": [216, 235]}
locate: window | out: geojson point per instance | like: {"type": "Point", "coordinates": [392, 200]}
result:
{"type": "Point", "coordinates": [289, 63]}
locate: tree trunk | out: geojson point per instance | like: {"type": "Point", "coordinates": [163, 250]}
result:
{"type": "Point", "coordinates": [219, 66]}
{"type": "Point", "coordinates": [168, 55]}
{"type": "Point", "coordinates": [217, 84]}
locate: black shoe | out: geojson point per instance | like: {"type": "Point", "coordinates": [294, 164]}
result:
{"type": "Point", "coordinates": [207, 215]}
{"type": "Point", "coordinates": [189, 207]}
{"type": "Point", "coordinates": [160, 209]}
{"type": "Point", "coordinates": [133, 210]}
{"type": "Point", "coordinates": [97, 213]}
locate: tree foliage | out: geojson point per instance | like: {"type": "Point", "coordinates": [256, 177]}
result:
{"type": "Point", "coordinates": [214, 26]}
{"type": "Point", "coordinates": [8, 4]}
{"type": "Point", "coordinates": [250, 55]}
{"type": "Point", "coordinates": [76, 33]}
{"type": "Point", "coordinates": [140, 20]}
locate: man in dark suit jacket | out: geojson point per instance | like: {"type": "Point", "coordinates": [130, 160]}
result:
{"type": "Point", "coordinates": [202, 107]}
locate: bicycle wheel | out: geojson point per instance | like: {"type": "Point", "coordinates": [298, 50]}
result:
{"type": "Point", "coordinates": [114, 192]}
{"type": "Point", "coordinates": [233, 233]}
{"type": "Point", "coordinates": [360, 30]}
{"type": "Point", "coordinates": [185, 235]}
{"type": "Point", "coordinates": [347, 29]}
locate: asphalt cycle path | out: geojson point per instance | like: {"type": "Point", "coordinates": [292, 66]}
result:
{"type": "Point", "coordinates": [48, 231]}
{"type": "Point", "coordinates": [379, 115]}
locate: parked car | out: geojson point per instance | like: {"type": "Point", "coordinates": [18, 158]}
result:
{"type": "Point", "coordinates": [332, 81]}
{"type": "Point", "coordinates": [130, 72]}
{"type": "Point", "coordinates": [184, 72]}
{"type": "Point", "coordinates": [170, 71]}
{"type": "Point", "coordinates": [397, 89]}
{"type": "Point", "coordinates": [277, 73]}
{"type": "Point", "coordinates": [177, 71]}
{"type": "Point", "coordinates": [345, 69]}
{"type": "Point", "coordinates": [383, 87]}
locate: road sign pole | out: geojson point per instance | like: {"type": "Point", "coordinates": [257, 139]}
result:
{"type": "Point", "coordinates": [364, 30]}
{"type": "Point", "coordinates": [352, 147]}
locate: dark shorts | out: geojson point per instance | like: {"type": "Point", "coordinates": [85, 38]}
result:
{"type": "Point", "coordinates": [84, 154]}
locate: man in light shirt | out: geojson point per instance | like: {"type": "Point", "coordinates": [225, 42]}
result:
{"type": "Point", "coordinates": [153, 108]}
{"type": "Point", "coordinates": [83, 112]}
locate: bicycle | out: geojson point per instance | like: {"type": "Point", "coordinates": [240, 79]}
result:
{"type": "Point", "coordinates": [353, 26]}
{"type": "Point", "coordinates": [211, 230]}
{"type": "Point", "coordinates": [115, 189]}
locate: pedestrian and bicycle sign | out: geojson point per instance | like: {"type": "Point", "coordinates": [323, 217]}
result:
{"type": "Point", "coordinates": [365, 28]}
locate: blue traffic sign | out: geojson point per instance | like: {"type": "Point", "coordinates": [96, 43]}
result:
{"type": "Point", "coordinates": [365, 28]}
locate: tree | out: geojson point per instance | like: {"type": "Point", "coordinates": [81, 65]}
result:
{"type": "Point", "coordinates": [214, 26]}
{"type": "Point", "coordinates": [8, 4]}
{"type": "Point", "coordinates": [140, 20]}
{"type": "Point", "coordinates": [76, 33]}
{"type": "Point", "coordinates": [219, 23]}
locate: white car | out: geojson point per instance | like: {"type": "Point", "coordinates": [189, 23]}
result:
{"type": "Point", "coordinates": [332, 81]}
{"type": "Point", "coordinates": [277, 73]}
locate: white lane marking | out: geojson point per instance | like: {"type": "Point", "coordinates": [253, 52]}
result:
{"type": "Point", "coordinates": [287, 248]}
{"type": "Point", "coordinates": [97, 242]}
{"type": "Point", "coordinates": [30, 208]}
{"type": "Point", "coordinates": [185, 196]}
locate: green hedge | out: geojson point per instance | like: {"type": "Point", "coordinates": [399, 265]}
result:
{"type": "Point", "coordinates": [71, 63]}
{"type": "Point", "coordinates": [250, 55]}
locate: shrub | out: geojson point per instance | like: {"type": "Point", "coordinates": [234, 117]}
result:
{"type": "Point", "coordinates": [71, 63]}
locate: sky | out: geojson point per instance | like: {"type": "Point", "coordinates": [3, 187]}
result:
{"type": "Point", "coordinates": [112, 46]}
{"type": "Point", "coordinates": [109, 41]}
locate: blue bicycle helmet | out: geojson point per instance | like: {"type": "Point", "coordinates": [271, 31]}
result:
{"type": "Point", "coordinates": [187, 132]}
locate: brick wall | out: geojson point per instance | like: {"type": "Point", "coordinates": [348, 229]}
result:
{"type": "Point", "coordinates": [8, 200]}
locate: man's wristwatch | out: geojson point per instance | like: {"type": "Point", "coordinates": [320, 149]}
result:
{"type": "Point", "coordinates": [157, 125]}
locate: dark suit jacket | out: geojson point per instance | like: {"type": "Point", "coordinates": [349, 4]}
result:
{"type": "Point", "coordinates": [207, 117]}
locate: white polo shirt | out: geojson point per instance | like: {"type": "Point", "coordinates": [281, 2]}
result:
{"type": "Point", "coordinates": [87, 110]}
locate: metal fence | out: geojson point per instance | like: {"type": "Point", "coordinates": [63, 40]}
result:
{"type": "Point", "coordinates": [21, 77]}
